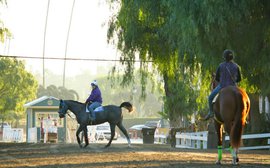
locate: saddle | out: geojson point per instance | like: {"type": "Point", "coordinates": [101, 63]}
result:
{"type": "Point", "coordinates": [92, 116]}
{"type": "Point", "coordinates": [215, 117]}
{"type": "Point", "coordinates": [97, 109]}
{"type": "Point", "coordinates": [215, 98]}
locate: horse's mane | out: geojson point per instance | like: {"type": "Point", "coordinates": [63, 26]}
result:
{"type": "Point", "coordinates": [75, 102]}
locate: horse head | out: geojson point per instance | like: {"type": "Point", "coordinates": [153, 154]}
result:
{"type": "Point", "coordinates": [62, 109]}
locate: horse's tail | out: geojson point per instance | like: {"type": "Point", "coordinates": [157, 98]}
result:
{"type": "Point", "coordinates": [242, 109]}
{"type": "Point", "coordinates": [127, 105]}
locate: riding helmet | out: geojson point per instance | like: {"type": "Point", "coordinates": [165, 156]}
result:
{"type": "Point", "coordinates": [94, 83]}
{"type": "Point", "coordinates": [228, 55]}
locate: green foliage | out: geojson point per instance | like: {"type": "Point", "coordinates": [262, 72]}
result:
{"type": "Point", "coordinates": [185, 40]}
{"type": "Point", "coordinates": [144, 28]}
{"type": "Point", "coordinates": [17, 87]}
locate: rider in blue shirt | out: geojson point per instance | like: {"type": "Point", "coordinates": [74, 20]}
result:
{"type": "Point", "coordinates": [94, 99]}
{"type": "Point", "coordinates": [228, 74]}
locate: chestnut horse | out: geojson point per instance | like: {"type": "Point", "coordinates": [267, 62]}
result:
{"type": "Point", "coordinates": [231, 110]}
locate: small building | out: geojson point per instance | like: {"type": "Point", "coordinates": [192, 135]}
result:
{"type": "Point", "coordinates": [43, 122]}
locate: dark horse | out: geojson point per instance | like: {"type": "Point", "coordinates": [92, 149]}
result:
{"type": "Point", "coordinates": [110, 113]}
{"type": "Point", "coordinates": [231, 110]}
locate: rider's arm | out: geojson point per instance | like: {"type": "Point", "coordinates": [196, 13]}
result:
{"type": "Point", "coordinates": [239, 78]}
{"type": "Point", "coordinates": [218, 74]}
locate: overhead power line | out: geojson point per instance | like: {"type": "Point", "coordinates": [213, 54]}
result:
{"type": "Point", "coordinates": [44, 41]}
{"type": "Point", "coordinates": [69, 26]}
{"type": "Point", "coordinates": [72, 59]}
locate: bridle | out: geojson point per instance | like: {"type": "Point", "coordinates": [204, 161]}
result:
{"type": "Point", "coordinates": [63, 109]}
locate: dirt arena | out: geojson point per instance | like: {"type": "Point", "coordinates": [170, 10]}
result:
{"type": "Point", "coordinates": [119, 155]}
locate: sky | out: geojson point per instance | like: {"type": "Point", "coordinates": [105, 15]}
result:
{"type": "Point", "coordinates": [88, 34]}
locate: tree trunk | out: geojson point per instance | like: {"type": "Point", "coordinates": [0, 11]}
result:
{"type": "Point", "coordinates": [174, 114]}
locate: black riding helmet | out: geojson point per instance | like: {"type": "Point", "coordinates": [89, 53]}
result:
{"type": "Point", "coordinates": [228, 55]}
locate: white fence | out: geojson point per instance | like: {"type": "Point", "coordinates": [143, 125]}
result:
{"type": "Point", "coordinates": [32, 135]}
{"type": "Point", "coordinates": [160, 139]}
{"type": "Point", "coordinates": [13, 135]}
{"type": "Point", "coordinates": [198, 140]}
{"type": "Point", "coordinates": [254, 136]}
{"type": "Point", "coordinates": [161, 135]}
{"type": "Point", "coordinates": [193, 140]}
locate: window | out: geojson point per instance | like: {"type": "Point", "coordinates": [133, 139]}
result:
{"type": "Point", "coordinates": [53, 116]}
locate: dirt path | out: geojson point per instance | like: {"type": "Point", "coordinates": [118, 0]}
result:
{"type": "Point", "coordinates": [119, 155]}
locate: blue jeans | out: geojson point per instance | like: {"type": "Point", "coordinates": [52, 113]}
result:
{"type": "Point", "coordinates": [212, 96]}
{"type": "Point", "coordinates": [92, 107]}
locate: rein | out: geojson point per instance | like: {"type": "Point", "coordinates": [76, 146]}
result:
{"type": "Point", "coordinates": [69, 115]}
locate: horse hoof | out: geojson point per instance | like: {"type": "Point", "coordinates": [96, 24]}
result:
{"type": "Point", "coordinates": [235, 161]}
{"type": "Point", "coordinates": [218, 162]}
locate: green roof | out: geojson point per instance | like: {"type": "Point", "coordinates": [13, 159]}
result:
{"type": "Point", "coordinates": [43, 101]}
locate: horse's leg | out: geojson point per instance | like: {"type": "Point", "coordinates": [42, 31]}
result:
{"type": "Point", "coordinates": [82, 137]}
{"type": "Point", "coordinates": [122, 128]}
{"type": "Point", "coordinates": [85, 136]}
{"type": "Point", "coordinates": [112, 126]}
{"type": "Point", "coordinates": [234, 153]}
{"type": "Point", "coordinates": [78, 135]}
{"type": "Point", "coordinates": [219, 136]}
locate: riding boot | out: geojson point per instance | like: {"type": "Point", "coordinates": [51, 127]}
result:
{"type": "Point", "coordinates": [91, 118]}
{"type": "Point", "coordinates": [209, 115]}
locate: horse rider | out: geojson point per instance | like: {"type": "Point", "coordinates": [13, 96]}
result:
{"type": "Point", "coordinates": [227, 74]}
{"type": "Point", "coordinates": [94, 99]}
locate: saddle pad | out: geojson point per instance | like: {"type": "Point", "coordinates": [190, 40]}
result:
{"type": "Point", "coordinates": [215, 98]}
{"type": "Point", "coordinates": [99, 109]}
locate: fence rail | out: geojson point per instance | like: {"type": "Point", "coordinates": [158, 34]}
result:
{"type": "Point", "coordinates": [198, 140]}
{"type": "Point", "coordinates": [254, 136]}
{"type": "Point", "coordinates": [193, 140]}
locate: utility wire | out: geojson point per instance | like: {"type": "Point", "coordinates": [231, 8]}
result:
{"type": "Point", "coordinates": [73, 59]}
{"type": "Point", "coordinates": [44, 42]}
{"type": "Point", "coordinates": [70, 21]}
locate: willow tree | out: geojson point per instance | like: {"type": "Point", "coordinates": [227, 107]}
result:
{"type": "Point", "coordinates": [243, 26]}
{"type": "Point", "coordinates": [185, 40]}
{"type": "Point", "coordinates": [4, 31]}
{"type": "Point", "coordinates": [142, 29]}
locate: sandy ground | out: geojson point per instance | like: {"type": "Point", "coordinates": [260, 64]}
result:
{"type": "Point", "coordinates": [120, 155]}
